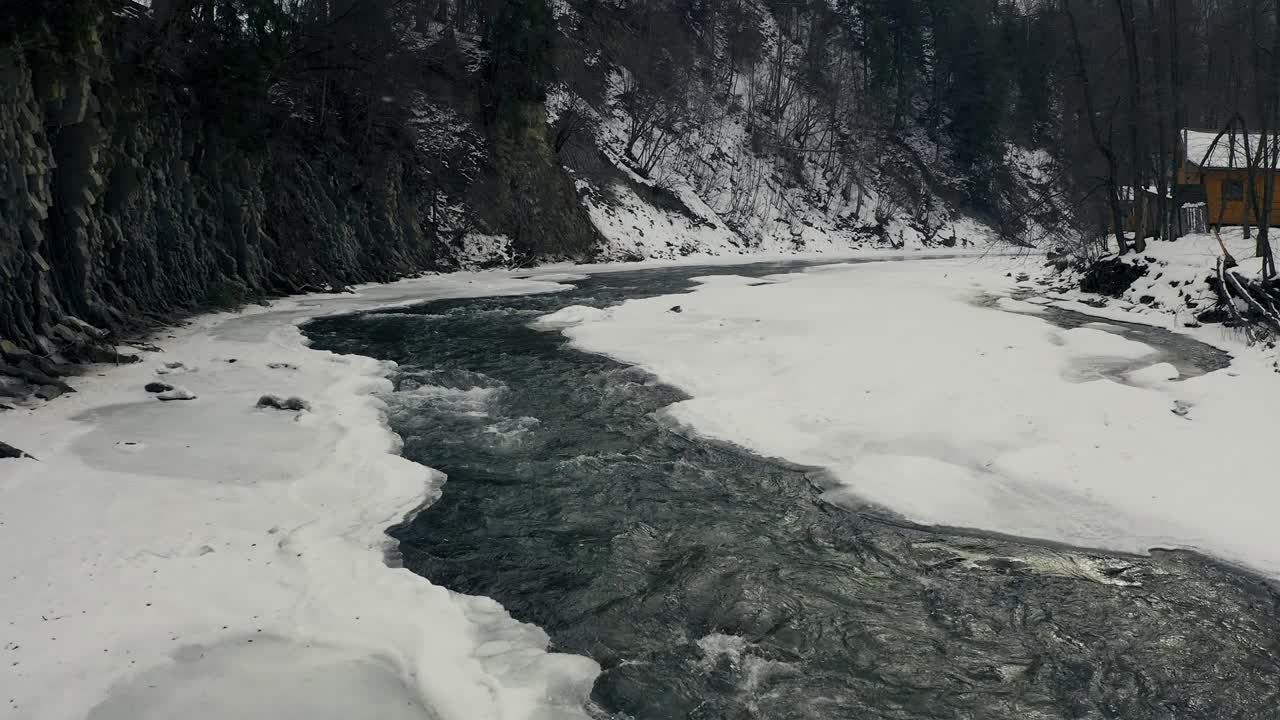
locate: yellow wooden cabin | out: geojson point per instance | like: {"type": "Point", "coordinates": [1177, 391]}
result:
{"type": "Point", "coordinates": [1219, 165]}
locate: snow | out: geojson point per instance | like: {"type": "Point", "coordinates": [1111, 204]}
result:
{"type": "Point", "coordinates": [1036, 166]}
{"type": "Point", "coordinates": [919, 399]}
{"type": "Point", "coordinates": [816, 259]}
{"type": "Point", "coordinates": [1225, 154]}
{"type": "Point", "coordinates": [561, 277]}
{"type": "Point", "coordinates": [1092, 342]}
{"type": "Point", "coordinates": [1153, 375]}
{"type": "Point", "coordinates": [240, 680]}
{"type": "Point", "coordinates": [178, 393]}
{"type": "Point", "coordinates": [633, 228]}
{"type": "Point", "coordinates": [1173, 291]}
{"type": "Point", "coordinates": [210, 559]}
{"type": "Point", "coordinates": [479, 250]}
{"type": "Point", "coordinates": [727, 195]}
{"type": "Point", "coordinates": [1022, 306]}
{"type": "Point", "coordinates": [571, 315]}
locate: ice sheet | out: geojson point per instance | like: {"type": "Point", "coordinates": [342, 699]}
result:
{"type": "Point", "coordinates": [920, 400]}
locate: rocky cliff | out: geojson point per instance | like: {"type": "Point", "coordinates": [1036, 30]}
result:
{"type": "Point", "coordinates": [125, 201]}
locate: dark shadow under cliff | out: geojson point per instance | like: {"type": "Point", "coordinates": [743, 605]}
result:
{"type": "Point", "coordinates": [130, 194]}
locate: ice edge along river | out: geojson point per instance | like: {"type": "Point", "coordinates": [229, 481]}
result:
{"type": "Point", "coordinates": [209, 559]}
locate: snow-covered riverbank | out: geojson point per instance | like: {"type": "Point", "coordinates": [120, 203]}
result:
{"type": "Point", "coordinates": [1171, 290]}
{"type": "Point", "coordinates": [920, 400]}
{"type": "Point", "coordinates": [209, 559]}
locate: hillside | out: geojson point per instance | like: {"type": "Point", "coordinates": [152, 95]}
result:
{"type": "Point", "coordinates": [188, 155]}
{"type": "Point", "coordinates": [750, 127]}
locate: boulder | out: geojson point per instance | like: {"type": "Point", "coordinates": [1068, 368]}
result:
{"type": "Point", "coordinates": [295, 404]}
{"type": "Point", "coordinates": [1111, 277]}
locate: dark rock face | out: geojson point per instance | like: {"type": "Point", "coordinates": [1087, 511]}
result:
{"type": "Point", "coordinates": [529, 193]}
{"type": "Point", "coordinates": [125, 203]}
{"type": "Point", "coordinates": [1111, 277]}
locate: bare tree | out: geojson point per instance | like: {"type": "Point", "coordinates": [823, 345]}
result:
{"type": "Point", "coordinates": [1103, 144]}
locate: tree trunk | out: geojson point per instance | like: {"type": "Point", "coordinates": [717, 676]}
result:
{"type": "Point", "coordinates": [1137, 147]}
{"type": "Point", "coordinates": [1104, 148]}
{"type": "Point", "coordinates": [1175, 101]}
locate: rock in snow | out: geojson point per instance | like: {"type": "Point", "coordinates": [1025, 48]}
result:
{"type": "Point", "coordinates": [179, 393]}
{"type": "Point", "coordinates": [295, 404]}
{"type": "Point", "coordinates": [173, 368]}
{"type": "Point", "coordinates": [9, 452]}
{"type": "Point", "coordinates": [158, 387]}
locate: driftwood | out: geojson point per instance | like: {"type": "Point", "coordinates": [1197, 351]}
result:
{"type": "Point", "coordinates": [1226, 254]}
{"type": "Point", "coordinates": [1260, 297]}
{"type": "Point", "coordinates": [1267, 312]}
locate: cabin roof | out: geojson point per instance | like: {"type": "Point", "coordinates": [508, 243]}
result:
{"type": "Point", "coordinates": [1202, 151]}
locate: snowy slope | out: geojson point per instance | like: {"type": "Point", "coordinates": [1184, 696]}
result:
{"type": "Point", "coordinates": [754, 179]}
{"type": "Point", "coordinates": [737, 200]}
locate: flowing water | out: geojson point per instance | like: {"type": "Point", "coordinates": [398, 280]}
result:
{"type": "Point", "coordinates": [710, 583]}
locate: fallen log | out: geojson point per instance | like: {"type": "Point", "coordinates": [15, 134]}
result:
{"type": "Point", "coordinates": [1268, 315]}
{"type": "Point", "coordinates": [1245, 303]}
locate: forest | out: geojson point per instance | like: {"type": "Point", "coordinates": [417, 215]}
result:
{"type": "Point", "coordinates": [1105, 86]}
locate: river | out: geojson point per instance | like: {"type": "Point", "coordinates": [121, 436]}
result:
{"type": "Point", "coordinates": [711, 583]}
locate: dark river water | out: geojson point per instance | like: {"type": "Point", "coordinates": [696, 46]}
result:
{"type": "Point", "coordinates": [710, 583]}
